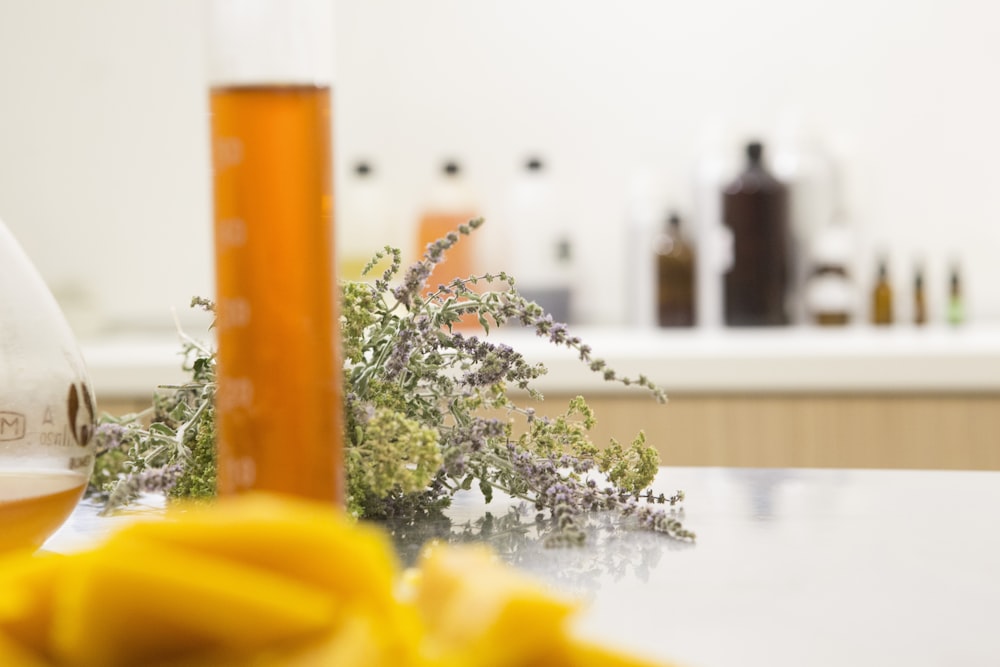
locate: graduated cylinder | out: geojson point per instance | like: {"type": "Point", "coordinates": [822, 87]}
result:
{"type": "Point", "coordinates": [279, 403]}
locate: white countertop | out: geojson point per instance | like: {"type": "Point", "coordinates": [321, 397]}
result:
{"type": "Point", "coordinates": [854, 359]}
{"type": "Point", "coordinates": [791, 567]}
{"type": "Point", "coordinates": [796, 567]}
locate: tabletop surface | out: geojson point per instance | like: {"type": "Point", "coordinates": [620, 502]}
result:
{"type": "Point", "coordinates": [790, 567]}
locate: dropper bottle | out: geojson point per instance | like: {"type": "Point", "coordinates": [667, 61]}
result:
{"type": "Point", "coordinates": [956, 307]}
{"type": "Point", "coordinates": [882, 297]}
{"type": "Point", "coordinates": [919, 298]}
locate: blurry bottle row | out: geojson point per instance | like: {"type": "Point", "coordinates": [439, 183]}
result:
{"type": "Point", "coordinates": [767, 250]}
{"type": "Point", "coordinates": [543, 267]}
{"type": "Point", "coordinates": [760, 269]}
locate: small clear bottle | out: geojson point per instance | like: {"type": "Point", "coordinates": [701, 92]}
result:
{"type": "Point", "coordinates": [366, 224]}
{"type": "Point", "coordinates": [644, 215]}
{"type": "Point", "coordinates": [542, 261]}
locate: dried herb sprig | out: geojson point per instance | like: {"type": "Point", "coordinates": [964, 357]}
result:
{"type": "Point", "coordinates": [428, 412]}
{"type": "Point", "coordinates": [168, 447]}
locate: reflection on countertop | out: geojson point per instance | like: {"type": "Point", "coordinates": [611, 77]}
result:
{"type": "Point", "coordinates": [791, 567]}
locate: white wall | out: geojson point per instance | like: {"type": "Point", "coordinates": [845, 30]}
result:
{"type": "Point", "coordinates": [103, 161]}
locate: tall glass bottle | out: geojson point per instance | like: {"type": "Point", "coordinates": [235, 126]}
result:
{"type": "Point", "coordinates": [541, 256]}
{"type": "Point", "coordinates": [279, 402]}
{"type": "Point", "coordinates": [364, 224]}
{"type": "Point", "coordinates": [755, 209]}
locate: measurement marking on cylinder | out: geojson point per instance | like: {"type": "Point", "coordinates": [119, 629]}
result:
{"type": "Point", "coordinates": [232, 232]}
{"type": "Point", "coordinates": [232, 312]}
{"type": "Point", "coordinates": [228, 152]}
{"type": "Point", "coordinates": [244, 472]}
{"type": "Point", "coordinates": [235, 393]}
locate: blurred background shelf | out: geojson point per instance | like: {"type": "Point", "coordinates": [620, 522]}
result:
{"type": "Point", "coordinates": [794, 359]}
{"type": "Point", "coordinates": [802, 397]}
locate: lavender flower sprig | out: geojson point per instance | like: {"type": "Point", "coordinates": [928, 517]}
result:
{"type": "Point", "coordinates": [427, 413]}
{"type": "Point", "coordinates": [406, 356]}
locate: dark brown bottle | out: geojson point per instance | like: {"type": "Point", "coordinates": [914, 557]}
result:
{"type": "Point", "coordinates": [674, 277]}
{"type": "Point", "coordinates": [755, 209]}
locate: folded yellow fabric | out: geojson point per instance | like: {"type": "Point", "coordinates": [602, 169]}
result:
{"type": "Point", "coordinates": [269, 581]}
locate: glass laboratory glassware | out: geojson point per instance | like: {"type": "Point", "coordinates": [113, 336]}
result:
{"type": "Point", "coordinates": [279, 415]}
{"type": "Point", "coordinates": [46, 407]}
{"type": "Point", "coordinates": [882, 311]}
{"type": "Point", "coordinates": [675, 272]}
{"type": "Point", "coordinates": [365, 224]}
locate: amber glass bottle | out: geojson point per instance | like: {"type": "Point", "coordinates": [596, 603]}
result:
{"type": "Point", "coordinates": [919, 299]}
{"type": "Point", "coordinates": [755, 208]}
{"type": "Point", "coordinates": [882, 297]}
{"type": "Point", "coordinates": [675, 277]}
{"type": "Point", "coordinates": [956, 308]}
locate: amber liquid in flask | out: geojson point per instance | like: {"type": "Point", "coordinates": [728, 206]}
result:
{"type": "Point", "coordinates": [279, 408]}
{"type": "Point", "coordinates": [47, 409]}
{"type": "Point", "coordinates": [34, 505]}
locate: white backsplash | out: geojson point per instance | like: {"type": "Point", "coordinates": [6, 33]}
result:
{"type": "Point", "coordinates": [103, 127]}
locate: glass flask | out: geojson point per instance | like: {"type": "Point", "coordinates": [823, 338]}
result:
{"type": "Point", "coordinates": [47, 408]}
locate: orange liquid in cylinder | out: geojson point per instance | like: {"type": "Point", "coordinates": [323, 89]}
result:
{"type": "Point", "coordinates": [34, 504]}
{"type": "Point", "coordinates": [279, 414]}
